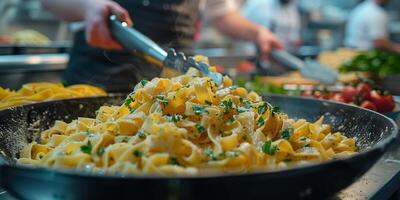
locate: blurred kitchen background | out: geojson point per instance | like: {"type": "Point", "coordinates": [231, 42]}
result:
{"type": "Point", "coordinates": [34, 45]}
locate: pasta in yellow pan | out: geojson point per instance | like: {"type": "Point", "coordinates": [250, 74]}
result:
{"type": "Point", "coordinates": [39, 92]}
{"type": "Point", "coordinates": [186, 125]}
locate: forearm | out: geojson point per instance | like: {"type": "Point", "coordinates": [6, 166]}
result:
{"type": "Point", "coordinates": [68, 10]}
{"type": "Point", "coordinates": [236, 26]}
{"type": "Point", "coordinates": [386, 45]}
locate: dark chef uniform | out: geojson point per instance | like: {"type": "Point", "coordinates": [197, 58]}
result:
{"type": "Point", "coordinates": [170, 23]}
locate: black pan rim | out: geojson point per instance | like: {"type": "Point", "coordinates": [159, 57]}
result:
{"type": "Point", "coordinates": [380, 146]}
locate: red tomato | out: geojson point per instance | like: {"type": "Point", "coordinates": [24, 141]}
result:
{"type": "Point", "coordinates": [368, 105]}
{"type": "Point", "coordinates": [307, 94]}
{"type": "Point", "coordinates": [348, 94]}
{"type": "Point", "coordinates": [383, 103]}
{"type": "Point", "coordinates": [338, 97]}
{"type": "Point", "coordinates": [364, 91]}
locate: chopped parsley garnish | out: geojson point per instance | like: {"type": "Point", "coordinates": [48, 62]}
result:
{"type": "Point", "coordinates": [100, 151]}
{"type": "Point", "coordinates": [275, 110]}
{"type": "Point", "coordinates": [125, 140]}
{"type": "Point", "coordinates": [208, 102]}
{"type": "Point", "coordinates": [233, 87]}
{"type": "Point", "coordinates": [285, 134]}
{"type": "Point", "coordinates": [128, 101]}
{"type": "Point", "coordinates": [227, 105]}
{"type": "Point", "coordinates": [175, 118]}
{"type": "Point", "coordinates": [232, 154]}
{"type": "Point", "coordinates": [143, 82]}
{"type": "Point", "coordinates": [200, 129]}
{"type": "Point", "coordinates": [199, 110]}
{"type": "Point", "coordinates": [262, 108]}
{"type": "Point", "coordinates": [268, 148]}
{"type": "Point", "coordinates": [210, 153]}
{"type": "Point", "coordinates": [141, 135]}
{"type": "Point", "coordinates": [137, 153]}
{"type": "Point", "coordinates": [87, 132]}
{"type": "Point", "coordinates": [174, 161]}
{"type": "Point", "coordinates": [245, 108]}
{"type": "Point", "coordinates": [260, 121]}
{"type": "Point", "coordinates": [87, 148]}
{"type": "Point", "coordinates": [162, 100]}
{"type": "Point", "coordinates": [231, 120]}
{"type": "Point", "coordinates": [307, 145]}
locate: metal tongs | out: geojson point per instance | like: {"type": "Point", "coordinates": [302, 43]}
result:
{"type": "Point", "coordinates": [135, 42]}
{"type": "Point", "coordinates": [309, 69]}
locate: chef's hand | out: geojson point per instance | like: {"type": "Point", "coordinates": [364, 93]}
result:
{"type": "Point", "coordinates": [266, 42]}
{"type": "Point", "coordinates": [96, 22]}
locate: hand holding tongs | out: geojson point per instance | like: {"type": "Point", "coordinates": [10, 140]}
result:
{"type": "Point", "coordinates": [134, 41]}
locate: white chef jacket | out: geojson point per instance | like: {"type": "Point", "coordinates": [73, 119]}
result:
{"type": "Point", "coordinates": [283, 20]}
{"type": "Point", "coordinates": [367, 22]}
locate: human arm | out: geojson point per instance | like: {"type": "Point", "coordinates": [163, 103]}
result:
{"type": "Point", "coordinates": [227, 19]}
{"type": "Point", "coordinates": [94, 14]}
{"type": "Point", "coordinates": [386, 45]}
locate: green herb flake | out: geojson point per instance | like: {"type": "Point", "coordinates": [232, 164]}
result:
{"type": "Point", "coordinates": [137, 153]}
{"type": "Point", "coordinates": [174, 161]}
{"type": "Point", "coordinates": [143, 82]}
{"type": "Point", "coordinates": [87, 148]}
{"type": "Point", "coordinates": [200, 129]}
{"type": "Point", "coordinates": [268, 148]}
{"type": "Point", "coordinates": [307, 145]}
{"type": "Point", "coordinates": [227, 105]}
{"type": "Point", "coordinates": [210, 153]}
{"type": "Point", "coordinates": [285, 134]}
{"type": "Point", "coordinates": [231, 120]}
{"type": "Point", "coordinates": [141, 135]}
{"type": "Point", "coordinates": [275, 110]}
{"type": "Point", "coordinates": [233, 87]}
{"type": "Point", "coordinates": [246, 108]}
{"type": "Point", "coordinates": [175, 118]}
{"type": "Point", "coordinates": [87, 132]}
{"type": "Point", "coordinates": [232, 154]}
{"type": "Point", "coordinates": [199, 110]}
{"type": "Point", "coordinates": [100, 151]}
{"type": "Point", "coordinates": [262, 108]}
{"type": "Point", "coordinates": [260, 121]}
{"type": "Point", "coordinates": [161, 99]}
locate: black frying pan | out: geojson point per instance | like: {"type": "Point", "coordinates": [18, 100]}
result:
{"type": "Point", "coordinates": [374, 133]}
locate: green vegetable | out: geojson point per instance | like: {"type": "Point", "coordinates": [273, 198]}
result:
{"type": "Point", "coordinates": [200, 129]}
{"type": "Point", "coordinates": [175, 118]}
{"type": "Point", "coordinates": [262, 108]}
{"type": "Point", "coordinates": [141, 135]}
{"type": "Point", "coordinates": [198, 110]}
{"type": "Point", "coordinates": [232, 154]}
{"type": "Point", "coordinates": [87, 148]}
{"type": "Point", "coordinates": [259, 87]}
{"type": "Point", "coordinates": [210, 153]}
{"type": "Point", "coordinates": [227, 105]}
{"type": "Point", "coordinates": [161, 99]}
{"type": "Point", "coordinates": [137, 153]}
{"type": "Point", "coordinates": [378, 63]}
{"type": "Point", "coordinates": [174, 161]}
{"type": "Point", "coordinates": [260, 121]}
{"type": "Point", "coordinates": [245, 108]}
{"type": "Point", "coordinates": [100, 151]}
{"type": "Point", "coordinates": [143, 82]}
{"type": "Point", "coordinates": [285, 134]}
{"type": "Point", "coordinates": [268, 148]}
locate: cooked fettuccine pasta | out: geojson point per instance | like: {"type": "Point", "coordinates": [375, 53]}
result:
{"type": "Point", "coordinates": [185, 126]}
{"type": "Point", "coordinates": [39, 92]}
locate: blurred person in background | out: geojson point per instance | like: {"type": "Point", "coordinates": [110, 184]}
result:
{"type": "Point", "coordinates": [280, 16]}
{"type": "Point", "coordinates": [96, 58]}
{"type": "Point", "coordinates": [367, 27]}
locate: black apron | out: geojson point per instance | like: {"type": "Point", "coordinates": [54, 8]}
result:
{"type": "Point", "coordinates": [170, 23]}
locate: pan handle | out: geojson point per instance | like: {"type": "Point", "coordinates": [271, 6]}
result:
{"type": "Point", "coordinates": [134, 41]}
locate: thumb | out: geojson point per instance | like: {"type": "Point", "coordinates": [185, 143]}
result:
{"type": "Point", "coordinates": [122, 14]}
